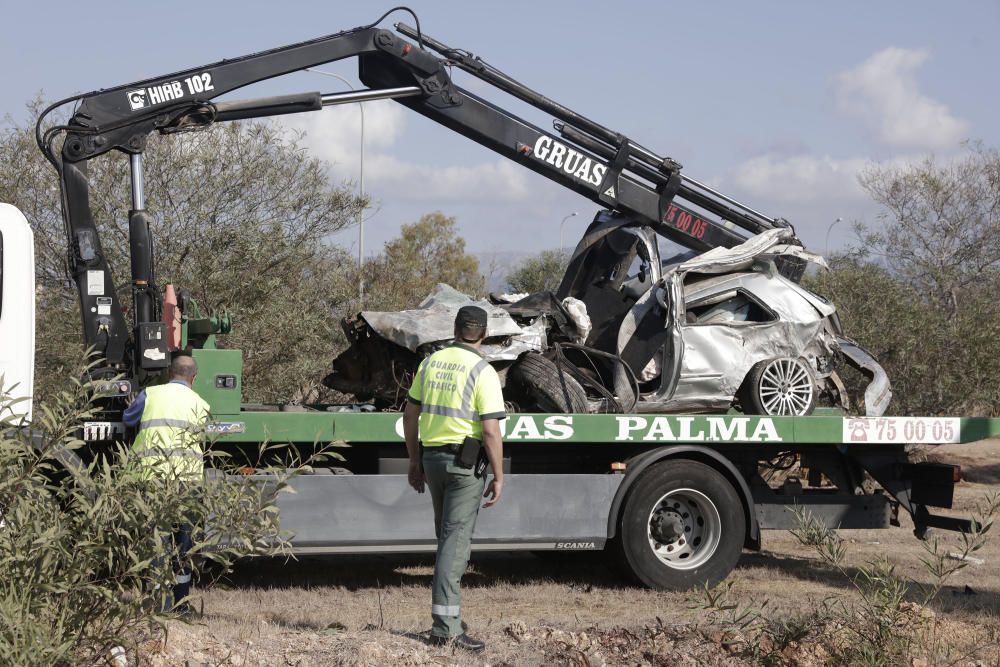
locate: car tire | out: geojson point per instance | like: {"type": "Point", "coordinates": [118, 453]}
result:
{"type": "Point", "coordinates": [551, 389]}
{"type": "Point", "coordinates": [784, 386]}
{"type": "Point", "coordinates": [682, 526]}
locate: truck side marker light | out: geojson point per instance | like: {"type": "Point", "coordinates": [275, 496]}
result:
{"type": "Point", "coordinates": [617, 466]}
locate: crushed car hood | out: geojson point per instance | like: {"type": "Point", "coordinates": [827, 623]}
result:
{"type": "Point", "coordinates": [434, 319]}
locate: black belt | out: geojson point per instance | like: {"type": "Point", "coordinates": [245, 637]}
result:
{"type": "Point", "coordinates": [447, 447]}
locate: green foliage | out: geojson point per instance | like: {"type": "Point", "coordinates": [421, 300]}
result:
{"type": "Point", "coordinates": [241, 218]}
{"type": "Point", "coordinates": [938, 364]}
{"type": "Point", "coordinates": [885, 622]}
{"type": "Point", "coordinates": [541, 273]}
{"type": "Point", "coordinates": [753, 629]}
{"type": "Point", "coordinates": [83, 547]}
{"type": "Point", "coordinates": [919, 290]}
{"type": "Point", "coordinates": [888, 621]}
{"type": "Point", "coordinates": [942, 231]}
{"type": "Point", "coordinates": [427, 252]}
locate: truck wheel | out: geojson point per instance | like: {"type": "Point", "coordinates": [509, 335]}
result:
{"type": "Point", "coordinates": [551, 389]}
{"type": "Point", "coordinates": [682, 526]}
{"type": "Point", "coordinates": [782, 386]}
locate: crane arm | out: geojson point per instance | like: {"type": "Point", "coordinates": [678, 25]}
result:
{"type": "Point", "coordinates": [598, 163]}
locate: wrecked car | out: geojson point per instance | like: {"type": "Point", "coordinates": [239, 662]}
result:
{"type": "Point", "coordinates": [629, 332]}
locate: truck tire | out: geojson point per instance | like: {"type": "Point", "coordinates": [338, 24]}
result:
{"type": "Point", "coordinates": [784, 386]}
{"type": "Point", "coordinates": [551, 389]}
{"type": "Point", "coordinates": [682, 526]}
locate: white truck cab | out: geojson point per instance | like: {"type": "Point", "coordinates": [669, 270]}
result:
{"type": "Point", "coordinates": [17, 312]}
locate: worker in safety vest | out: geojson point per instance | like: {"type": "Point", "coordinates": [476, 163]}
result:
{"type": "Point", "coordinates": [171, 419]}
{"type": "Point", "coordinates": [455, 405]}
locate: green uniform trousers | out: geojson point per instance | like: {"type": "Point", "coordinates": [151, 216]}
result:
{"type": "Point", "coordinates": [457, 495]}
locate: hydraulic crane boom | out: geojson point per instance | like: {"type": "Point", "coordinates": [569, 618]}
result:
{"type": "Point", "coordinates": [600, 164]}
{"type": "Point", "coordinates": [606, 143]}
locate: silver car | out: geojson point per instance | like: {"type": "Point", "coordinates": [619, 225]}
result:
{"type": "Point", "coordinates": [629, 332]}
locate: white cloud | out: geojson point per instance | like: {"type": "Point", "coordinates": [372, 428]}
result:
{"type": "Point", "coordinates": [334, 135]}
{"type": "Point", "coordinates": [884, 93]}
{"type": "Point", "coordinates": [497, 181]}
{"type": "Point", "coordinates": [800, 178]}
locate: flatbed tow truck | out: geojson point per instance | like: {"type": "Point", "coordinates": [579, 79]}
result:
{"type": "Point", "coordinates": [677, 496]}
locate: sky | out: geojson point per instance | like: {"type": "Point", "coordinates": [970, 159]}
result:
{"type": "Point", "coordinates": [777, 104]}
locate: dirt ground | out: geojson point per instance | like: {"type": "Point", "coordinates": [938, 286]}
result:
{"type": "Point", "coordinates": [571, 610]}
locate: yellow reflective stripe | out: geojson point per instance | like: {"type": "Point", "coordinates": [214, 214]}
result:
{"type": "Point", "coordinates": [470, 384]}
{"type": "Point", "coordinates": [423, 380]}
{"type": "Point", "coordinates": [444, 411]}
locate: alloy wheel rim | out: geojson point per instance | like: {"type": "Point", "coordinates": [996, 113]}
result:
{"type": "Point", "coordinates": [786, 388]}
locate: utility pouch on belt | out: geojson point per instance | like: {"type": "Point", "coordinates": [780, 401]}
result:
{"type": "Point", "coordinates": [468, 453]}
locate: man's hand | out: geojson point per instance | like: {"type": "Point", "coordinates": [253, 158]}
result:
{"type": "Point", "coordinates": [416, 477]}
{"type": "Point", "coordinates": [493, 491]}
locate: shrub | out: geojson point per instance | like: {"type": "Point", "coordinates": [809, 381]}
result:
{"type": "Point", "coordinates": [83, 553]}
{"type": "Point", "coordinates": [885, 622]}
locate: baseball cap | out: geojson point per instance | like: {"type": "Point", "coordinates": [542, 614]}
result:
{"type": "Point", "coordinates": [471, 316]}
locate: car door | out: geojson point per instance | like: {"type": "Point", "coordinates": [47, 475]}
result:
{"type": "Point", "coordinates": [722, 330]}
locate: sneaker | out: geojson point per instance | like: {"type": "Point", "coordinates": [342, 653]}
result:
{"type": "Point", "coordinates": [462, 641]}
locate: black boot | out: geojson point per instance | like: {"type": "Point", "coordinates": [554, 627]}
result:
{"type": "Point", "coordinates": [462, 641]}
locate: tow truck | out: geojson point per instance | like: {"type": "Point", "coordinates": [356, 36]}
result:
{"type": "Point", "coordinates": [677, 496]}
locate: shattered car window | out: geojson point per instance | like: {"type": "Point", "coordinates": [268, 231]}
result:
{"type": "Point", "coordinates": [728, 308]}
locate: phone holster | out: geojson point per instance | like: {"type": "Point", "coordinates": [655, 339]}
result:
{"type": "Point", "coordinates": [468, 453]}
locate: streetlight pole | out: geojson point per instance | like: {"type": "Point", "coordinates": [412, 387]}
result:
{"type": "Point", "coordinates": [361, 191]}
{"type": "Point", "coordinates": [561, 225]}
{"type": "Point", "coordinates": [826, 246]}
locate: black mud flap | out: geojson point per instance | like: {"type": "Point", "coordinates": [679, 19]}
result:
{"type": "Point", "coordinates": [931, 483]}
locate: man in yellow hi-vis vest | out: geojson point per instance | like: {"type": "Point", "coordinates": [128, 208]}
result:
{"type": "Point", "coordinates": [171, 419]}
{"type": "Point", "coordinates": [455, 406]}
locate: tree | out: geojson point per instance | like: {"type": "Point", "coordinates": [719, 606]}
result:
{"type": "Point", "coordinates": [937, 364]}
{"type": "Point", "coordinates": [941, 230]}
{"type": "Point", "coordinates": [427, 252]}
{"type": "Point", "coordinates": [241, 217]}
{"type": "Point", "coordinates": [541, 273]}
{"type": "Point", "coordinates": [919, 291]}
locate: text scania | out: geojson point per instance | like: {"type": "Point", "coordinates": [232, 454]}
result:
{"type": "Point", "coordinates": [580, 546]}
{"type": "Point", "coordinates": [563, 157]}
{"type": "Point", "coordinates": [685, 429]}
{"type": "Point", "coordinates": [139, 98]}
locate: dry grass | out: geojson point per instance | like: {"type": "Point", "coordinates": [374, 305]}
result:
{"type": "Point", "coordinates": [374, 610]}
